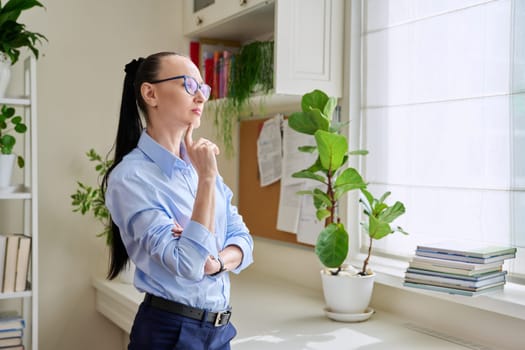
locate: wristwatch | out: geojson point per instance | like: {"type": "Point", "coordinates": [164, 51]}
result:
{"type": "Point", "coordinates": [222, 267]}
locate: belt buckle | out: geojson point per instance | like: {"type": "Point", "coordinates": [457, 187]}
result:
{"type": "Point", "coordinates": [220, 316]}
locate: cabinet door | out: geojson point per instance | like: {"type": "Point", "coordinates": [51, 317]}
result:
{"type": "Point", "coordinates": [309, 46]}
{"type": "Point", "coordinates": [214, 14]}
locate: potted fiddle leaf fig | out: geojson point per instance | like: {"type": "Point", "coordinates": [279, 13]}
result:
{"type": "Point", "coordinates": [347, 290]}
{"type": "Point", "coordinates": [10, 123]}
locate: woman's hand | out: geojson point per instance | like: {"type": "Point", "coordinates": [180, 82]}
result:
{"type": "Point", "coordinates": [203, 154]}
{"type": "Point", "coordinates": [211, 266]}
{"type": "Point", "coordinates": [176, 231]}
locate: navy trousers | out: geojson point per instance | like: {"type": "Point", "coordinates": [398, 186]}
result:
{"type": "Point", "coordinates": [155, 329]}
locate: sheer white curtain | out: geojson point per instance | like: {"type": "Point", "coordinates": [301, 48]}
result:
{"type": "Point", "coordinates": [443, 116]}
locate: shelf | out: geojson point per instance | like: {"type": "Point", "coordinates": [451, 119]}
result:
{"type": "Point", "coordinates": [15, 192]}
{"type": "Point", "coordinates": [22, 101]}
{"type": "Point", "coordinates": [262, 105]}
{"type": "Point", "coordinates": [255, 22]}
{"type": "Point", "coordinates": [16, 295]}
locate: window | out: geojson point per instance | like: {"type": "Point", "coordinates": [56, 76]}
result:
{"type": "Point", "coordinates": [443, 116]}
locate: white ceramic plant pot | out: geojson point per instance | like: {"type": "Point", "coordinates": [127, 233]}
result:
{"type": "Point", "coordinates": [346, 294]}
{"type": "Point", "coordinates": [128, 274]}
{"type": "Point", "coordinates": [7, 162]}
{"type": "Point", "coordinates": [5, 74]}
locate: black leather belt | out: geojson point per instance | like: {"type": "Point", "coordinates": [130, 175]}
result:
{"type": "Point", "coordinates": [216, 318]}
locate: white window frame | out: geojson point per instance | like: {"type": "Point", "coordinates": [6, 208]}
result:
{"type": "Point", "coordinates": [389, 269]}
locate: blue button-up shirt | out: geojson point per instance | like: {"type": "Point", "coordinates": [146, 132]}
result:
{"type": "Point", "coordinates": [147, 192]}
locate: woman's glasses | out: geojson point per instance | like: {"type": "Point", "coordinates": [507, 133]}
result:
{"type": "Point", "coordinates": [190, 84]}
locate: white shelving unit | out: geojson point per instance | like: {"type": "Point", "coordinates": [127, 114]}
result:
{"type": "Point", "coordinates": [28, 193]}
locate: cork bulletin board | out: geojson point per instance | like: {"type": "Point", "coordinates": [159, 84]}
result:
{"type": "Point", "coordinates": [257, 205]}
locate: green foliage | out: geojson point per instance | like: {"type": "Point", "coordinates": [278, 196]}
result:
{"type": "Point", "coordinates": [10, 123]}
{"type": "Point", "coordinates": [332, 245]}
{"type": "Point", "coordinates": [336, 179]}
{"type": "Point", "coordinates": [251, 73]}
{"type": "Point", "coordinates": [89, 199]}
{"type": "Point", "coordinates": [13, 35]}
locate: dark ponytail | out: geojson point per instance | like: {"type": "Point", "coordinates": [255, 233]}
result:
{"type": "Point", "coordinates": [129, 129]}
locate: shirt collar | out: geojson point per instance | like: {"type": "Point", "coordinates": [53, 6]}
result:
{"type": "Point", "coordinates": [163, 158]}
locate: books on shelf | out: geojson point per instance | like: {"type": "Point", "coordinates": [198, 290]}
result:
{"type": "Point", "coordinates": [17, 254]}
{"type": "Point", "coordinates": [484, 290]}
{"type": "Point", "coordinates": [11, 333]}
{"type": "Point", "coordinates": [463, 248]}
{"type": "Point", "coordinates": [458, 267]}
{"type": "Point", "coordinates": [454, 281]}
{"type": "Point", "coordinates": [451, 266]}
{"type": "Point", "coordinates": [466, 251]}
{"type": "Point", "coordinates": [11, 321]}
{"type": "Point", "coordinates": [22, 263]}
{"type": "Point", "coordinates": [10, 343]}
{"type": "Point", "coordinates": [215, 60]}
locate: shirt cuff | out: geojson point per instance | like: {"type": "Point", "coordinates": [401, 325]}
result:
{"type": "Point", "coordinates": [200, 235]}
{"type": "Point", "coordinates": [246, 248]}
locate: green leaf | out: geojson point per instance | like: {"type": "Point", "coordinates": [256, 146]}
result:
{"type": "Point", "coordinates": [332, 149]}
{"type": "Point", "coordinates": [307, 149]}
{"type": "Point", "coordinates": [367, 202]}
{"type": "Point", "coordinates": [303, 192]}
{"type": "Point", "coordinates": [20, 161]}
{"type": "Point", "coordinates": [378, 229]}
{"type": "Point", "coordinates": [316, 99]}
{"type": "Point", "coordinates": [332, 245]}
{"type": "Point", "coordinates": [359, 152]}
{"type": "Point", "coordinates": [20, 128]}
{"type": "Point", "coordinates": [336, 126]}
{"type": "Point", "coordinates": [392, 213]}
{"type": "Point", "coordinates": [350, 177]}
{"type": "Point", "coordinates": [384, 197]}
{"type": "Point", "coordinates": [328, 109]}
{"type": "Point", "coordinates": [321, 214]}
{"type": "Point", "coordinates": [321, 199]}
{"type": "Point", "coordinates": [308, 122]}
{"type": "Point", "coordinates": [7, 141]}
{"type": "Point", "coordinates": [306, 174]}
{"type": "Point", "coordinates": [8, 112]}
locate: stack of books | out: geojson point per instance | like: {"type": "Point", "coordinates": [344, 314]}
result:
{"type": "Point", "coordinates": [11, 331]}
{"type": "Point", "coordinates": [458, 268]}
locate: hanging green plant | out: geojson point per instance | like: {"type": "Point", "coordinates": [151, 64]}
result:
{"type": "Point", "coordinates": [251, 73]}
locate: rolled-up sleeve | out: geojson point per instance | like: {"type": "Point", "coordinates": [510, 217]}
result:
{"type": "Point", "coordinates": [238, 234]}
{"type": "Point", "coordinates": [145, 228]}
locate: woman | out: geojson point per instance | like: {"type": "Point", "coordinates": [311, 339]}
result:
{"type": "Point", "coordinates": [171, 210]}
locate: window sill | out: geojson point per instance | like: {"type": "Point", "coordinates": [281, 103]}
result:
{"type": "Point", "coordinates": [509, 302]}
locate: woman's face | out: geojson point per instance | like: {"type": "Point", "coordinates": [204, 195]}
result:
{"type": "Point", "coordinates": [175, 106]}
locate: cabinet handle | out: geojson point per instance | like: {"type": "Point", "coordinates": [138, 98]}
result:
{"type": "Point", "coordinates": [198, 21]}
{"type": "Point", "coordinates": [243, 2]}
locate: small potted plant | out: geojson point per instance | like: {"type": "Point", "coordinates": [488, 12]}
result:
{"type": "Point", "coordinates": [90, 199]}
{"type": "Point", "coordinates": [10, 123]}
{"type": "Point", "coordinates": [347, 290]}
{"type": "Point", "coordinates": [14, 36]}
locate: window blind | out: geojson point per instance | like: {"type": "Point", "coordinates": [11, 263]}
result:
{"type": "Point", "coordinates": [443, 117]}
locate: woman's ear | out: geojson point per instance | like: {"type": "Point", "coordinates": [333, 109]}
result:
{"type": "Point", "coordinates": [149, 94]}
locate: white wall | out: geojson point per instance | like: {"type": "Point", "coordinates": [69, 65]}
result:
{"type": "Point", "coordinates": [79, 85]}
{"type": "Point", "coordinates": [80, 77]}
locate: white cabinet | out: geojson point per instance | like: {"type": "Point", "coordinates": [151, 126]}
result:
{"type": "Point", "coordinates": [218, 12]}
{"type": "Point", "coordinates": [308, 37]}
{"type": "Point", "coordinates": [27, 192]}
